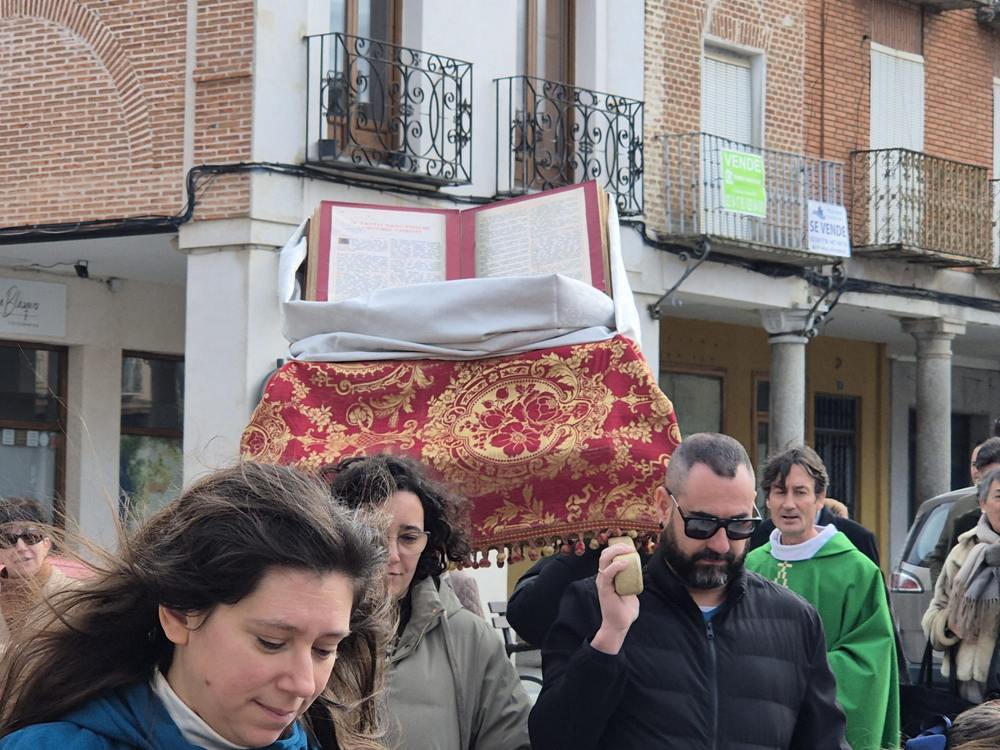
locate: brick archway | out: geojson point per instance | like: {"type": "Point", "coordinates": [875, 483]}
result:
{"type": "Point", "coordinates": [88, 27]}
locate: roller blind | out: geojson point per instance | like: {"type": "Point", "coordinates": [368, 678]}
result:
{"type": "Point", "coordinates": [897, 100]}
{"type": "Point", "coordinates": [727, 96]}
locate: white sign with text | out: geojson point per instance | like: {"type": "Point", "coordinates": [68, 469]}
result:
{"type": "Point", "coordinates": [828, 233]}
{"type": "Point", "coordinates": [32, 308]}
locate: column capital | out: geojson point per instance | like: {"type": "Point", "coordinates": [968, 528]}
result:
{"type": "Point", "coordinates": [787, 326]}
{"type": "Point", "coordinates": [933, 328]}
{"type": "Point", "coordinates": [933, 335]}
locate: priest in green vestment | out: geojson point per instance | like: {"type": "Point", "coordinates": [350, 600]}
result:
{"type": "Point", "coordinates": [822, 565]}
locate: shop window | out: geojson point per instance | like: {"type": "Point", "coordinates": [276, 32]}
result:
{"type": "Point", "coordinates": [697, 399]}
{"type": "Point", "coordinates": [151, 458]}
{"type": "Point", "coordinates": [32, 424]}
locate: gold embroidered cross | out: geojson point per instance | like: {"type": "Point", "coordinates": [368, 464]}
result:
{"type": "Point", "coordinates": [782, 577]}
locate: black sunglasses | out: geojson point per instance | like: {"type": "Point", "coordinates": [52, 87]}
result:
{"type": "Point", "coordinates": [705, 527]}
{"type": "Point", "coordinates": [9, 539]}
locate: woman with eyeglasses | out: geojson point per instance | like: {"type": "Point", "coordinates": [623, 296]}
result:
{"type": "Point", "coordinates": [248, 613]}
{"type": "Point", "coordinates": [451, 685]}
{"type": "Point", "coordinates": [28, 577]}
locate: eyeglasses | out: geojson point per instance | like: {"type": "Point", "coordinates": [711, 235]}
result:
{"type": "Point", "coordinates": [9, 539]}
{"type": "Point", "coordinates": [705, 527]}
{"type": "Point", "coordinates": [410, 542]}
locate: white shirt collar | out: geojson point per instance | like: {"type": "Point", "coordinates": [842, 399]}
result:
{"type": "Point", "coordinates": [193, 728]}
{"type": "Point", "coordinates": [804, 551]}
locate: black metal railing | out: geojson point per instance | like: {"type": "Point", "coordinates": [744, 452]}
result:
{"type": "Point", "coordinates": [918, 205]}
{"type": "Point", "coordinates": [695, 200]}
{"type": "Point", "coordinates": [381, 108]}
{"type": "Point", "coordinates": [551, 134]}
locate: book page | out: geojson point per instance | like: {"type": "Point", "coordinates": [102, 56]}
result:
{"type": "Point", "coordinates": [530, 237]}
{"type": "Point", "coordinates": [372, 249]}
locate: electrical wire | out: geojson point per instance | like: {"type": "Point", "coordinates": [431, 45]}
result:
{"type": "Point", "coordinates": [200, 177]}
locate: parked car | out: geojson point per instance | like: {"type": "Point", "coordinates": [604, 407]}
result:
{"type": "Point", "coordinates": [910, 589]}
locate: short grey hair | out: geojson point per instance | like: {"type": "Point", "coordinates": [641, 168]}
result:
{"type": "Point", "coordinates": [993, 475]}
{"type": "Point", "coordinates": [721, 453]}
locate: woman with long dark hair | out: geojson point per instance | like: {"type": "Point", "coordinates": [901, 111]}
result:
{"type": "Point", "coordinates": [249, 613]}
{"type": "Point", "coordinates": [451, 685]}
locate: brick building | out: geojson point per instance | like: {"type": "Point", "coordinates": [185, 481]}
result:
{"type": "Point", "coordinates": [158, 152]}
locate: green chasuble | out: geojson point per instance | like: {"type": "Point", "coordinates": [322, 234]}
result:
{"type": "Point", "coordinates": [847, 590]}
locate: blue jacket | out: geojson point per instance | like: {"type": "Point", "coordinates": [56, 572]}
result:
{"type": "Point", "coordinates": [128, 718]}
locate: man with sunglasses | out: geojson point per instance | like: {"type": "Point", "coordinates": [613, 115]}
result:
{"type": "Point", "coordinates": [708, 655]}
{"type": "Point", "coordinates": [821, 564]}
{"type": "Point", "coordinates": [27, 576]}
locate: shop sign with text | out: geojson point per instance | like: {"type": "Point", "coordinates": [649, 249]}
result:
{"type": "Point", "coordinates": [32, 308]}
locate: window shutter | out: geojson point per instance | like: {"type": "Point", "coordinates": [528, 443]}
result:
{"type": "Point", "coordinates": [727, 97]}
{"type": "Point", "coordinates": [897, 101]}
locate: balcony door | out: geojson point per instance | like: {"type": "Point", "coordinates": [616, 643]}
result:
{"type": "Point", "coordinates": [544, 147]}
{"type": "Point", "coordinates": [896, 202]}
{"type": "Point", "coordinates": [728, 110]}
{"type": "Point", "coordinates": [364, 89]}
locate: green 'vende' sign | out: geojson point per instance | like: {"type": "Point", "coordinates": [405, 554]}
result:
{"type": "Point", "coordinates": [743, 190]}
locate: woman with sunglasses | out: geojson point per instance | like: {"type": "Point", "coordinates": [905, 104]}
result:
{"type": "Point", "coordinates": [451, 685]}
{"type": "Point", "coordinates": [28, 577]}
{"type": "Point", "coordinates": [248, 613]}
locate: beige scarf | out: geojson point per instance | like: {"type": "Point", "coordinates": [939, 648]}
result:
{"type": "Point", "coordinates": [975, 593]}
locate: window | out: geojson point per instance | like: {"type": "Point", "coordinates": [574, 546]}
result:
{"type": "Point", "coordinates": [897, 99]}
{"type": "Point", "coordinates": [548, 39]}
{"type": "Point", "coordinates": [836, 442]}
{"type": "Point", "coordinates": [697, 400]}
{"type": "Point", "coordinates": [545, 114]}
{"type": "Point", "coordinates": [151, 460]}
{"type": "Point", "coordinates": [729, 106]}
{"type": "Point", "coordinates": [363, 97]}
{"type": "Point", "coordinates": [32, 424]}
{"type": "Point", "coordinates": [731, 117]}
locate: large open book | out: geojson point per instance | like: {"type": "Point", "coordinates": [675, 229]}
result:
{"type": "Point", "coordinates": [356, 248]}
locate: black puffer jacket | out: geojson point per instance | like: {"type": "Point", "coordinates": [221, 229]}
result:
{"type": "Point", "coordinates": [754, 678]}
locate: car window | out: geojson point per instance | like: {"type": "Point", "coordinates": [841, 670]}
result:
{"type": "Point", "coordinates": [926, 537]}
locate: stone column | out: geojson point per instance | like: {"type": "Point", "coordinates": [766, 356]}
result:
{"type": "Point", "coordinates": [786, 332]}
{"type": "Point", "coordinates": [933, 335]}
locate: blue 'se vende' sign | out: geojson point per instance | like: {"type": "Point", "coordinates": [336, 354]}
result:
{"type": "Point", "coordinates": [827, 230]}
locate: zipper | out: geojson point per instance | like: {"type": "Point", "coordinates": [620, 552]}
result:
{"type": "Point", "coordinates": [713, 682]}
{"type": "Point", "coordinates": [394, 655]}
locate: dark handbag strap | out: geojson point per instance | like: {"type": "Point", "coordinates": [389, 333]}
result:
{"type": "Point", "coordinates": [925, 677]}
{"type": "Point", "coordinates": [926, 665]}
{"type": "Point", "coordinates": [953, 677]}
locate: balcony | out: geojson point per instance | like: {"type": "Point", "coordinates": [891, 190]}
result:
{"type": "Point", "coordinates": [938, 5]}
{"type": "Point", "coordinates": [551, 134]}
{"type": "Point", "coordinates": [386, 110]}
{"type": "Point", "coordinates": [696, 206]}
{"type": "Point", "coordinates": [921, 208]}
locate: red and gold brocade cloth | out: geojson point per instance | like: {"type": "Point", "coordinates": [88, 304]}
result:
{"type": "Point", "coordinates": [553, 446]}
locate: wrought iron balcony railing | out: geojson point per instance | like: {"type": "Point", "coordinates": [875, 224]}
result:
{"type": "Point", "coordinates": [551, 134]}
{"type": "Point", "coordinates": [923, 208]}
{"type": "Point", "coordinates": [695, 200]}
{"type": "Point", "coordinates": [995, 229]}
{"type": "Point", "coordinates": [380, 108]}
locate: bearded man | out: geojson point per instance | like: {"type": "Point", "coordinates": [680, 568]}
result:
{"type": "Point", "coordinates": [708, 655]}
